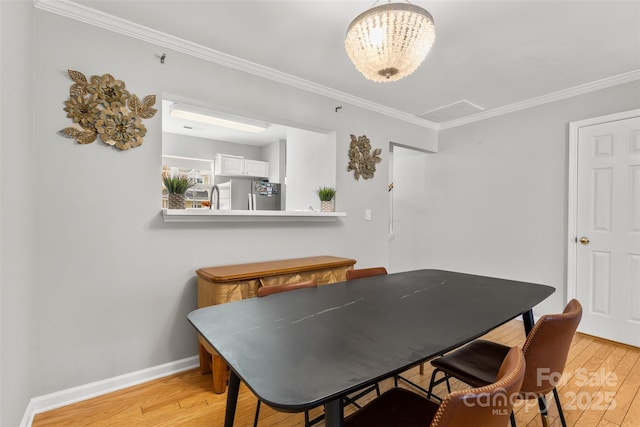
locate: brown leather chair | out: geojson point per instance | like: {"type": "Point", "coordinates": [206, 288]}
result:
{"type": "Point", "coordinates": [263, 291]}
{"type": "Point", "coordinates": [545, 350]}
{"type": "Point", "coordinates": [359, 274]}
{"type": "Point", "coordinates": [487, 406]}
{"type": "Point", "coordinates": [378, 271]}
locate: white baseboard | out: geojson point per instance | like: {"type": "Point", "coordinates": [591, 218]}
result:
{"type": "Point", "coordinates": [87, 391]}
{"type": "Point", "coordinates": [55, 400]}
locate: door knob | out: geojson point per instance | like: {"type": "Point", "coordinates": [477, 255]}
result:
{"type": "Point", "coordinates": [584, 240]}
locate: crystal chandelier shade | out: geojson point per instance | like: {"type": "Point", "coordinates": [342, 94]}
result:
{"type": "Point", "coordinates": [389, 42]}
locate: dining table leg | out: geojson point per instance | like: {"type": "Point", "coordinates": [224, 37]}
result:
{"type": "Point", "coordinates": [232, 399]}
{"type": "Point", "coordinates": [334, 413]}
{"type": "Point", "coordinates": [527, 319]}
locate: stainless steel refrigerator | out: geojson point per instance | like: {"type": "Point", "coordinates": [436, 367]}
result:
{"type": "Point", "coordinates": [247, 194]}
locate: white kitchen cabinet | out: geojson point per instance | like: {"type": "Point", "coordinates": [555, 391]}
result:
{"type": "Point", "coordinates": [237, 166]}
{"type": "Point", "coordinates": [229, 165]}
{"type": "Point", "coordinates": [256, 168]}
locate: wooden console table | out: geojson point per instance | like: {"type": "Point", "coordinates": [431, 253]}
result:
{"type": "Point", "coordinates": [218, 285]}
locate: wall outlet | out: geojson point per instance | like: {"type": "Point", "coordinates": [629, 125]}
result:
{"type": "Point", "coordinates": [367, 214]}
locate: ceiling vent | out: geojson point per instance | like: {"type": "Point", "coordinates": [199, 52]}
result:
{"type": "Point", "coordinates": [452, 111]}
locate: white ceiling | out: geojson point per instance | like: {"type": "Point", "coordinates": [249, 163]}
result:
{"type": "Point", "coordinates": [487, 54]}
{"type": "Point", "coordinates": [171, 124]}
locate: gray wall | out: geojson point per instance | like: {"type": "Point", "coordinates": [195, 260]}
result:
{"type": "Point", "coordinates": [496, 192]}
{"type": "Point", "coordinates": [201, 148]}
{"type": "Point", "coordinates": [18, 235]}
{"type": "Point", "coordinates": [94, 283]}
{"type": "Point", "coordinates": [309, 166]}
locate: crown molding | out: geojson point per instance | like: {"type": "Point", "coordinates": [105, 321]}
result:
{"type": "Point", "coordinates": [545, 99]}
{"type": "Point", "coordinates": [81, 13]}
{"type": "Point", "coordinates": [90, 16]}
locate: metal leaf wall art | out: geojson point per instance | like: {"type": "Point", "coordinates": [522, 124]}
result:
{"type": "Point", "coordinates": [102, 107]}
{"type": "Point", "coordinates": [361, 160]}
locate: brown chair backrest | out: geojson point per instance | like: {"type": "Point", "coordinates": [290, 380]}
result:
{"type": "Point", "coordinates": [546, 349]}
{"type": "Point", "coordinates": [274, 289]}
{"type": "Point", "coordinates": [488, 406]}
{"type": "Point", "coordinates": [365, 272]}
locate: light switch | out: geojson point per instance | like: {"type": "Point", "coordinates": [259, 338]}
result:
{"type": "Point", "coordinates": [367, 214]}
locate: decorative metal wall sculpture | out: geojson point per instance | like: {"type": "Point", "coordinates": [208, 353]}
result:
{"type": "Point", "coordinates": [361, 160]}
{"type": "Point", "coordinates": [103, 107]}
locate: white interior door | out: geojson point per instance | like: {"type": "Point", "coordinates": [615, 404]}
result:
{"type": "Point", "coordinates": [607, 240]}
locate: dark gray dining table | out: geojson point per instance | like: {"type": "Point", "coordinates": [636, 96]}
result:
{"type": "Point", "coordinates": [301, 349]}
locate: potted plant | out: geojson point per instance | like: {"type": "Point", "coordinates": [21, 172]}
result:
{"type": "Point", "coordinates": [176, 186]}
{"type": "Point", "coordinates": [326, 195]}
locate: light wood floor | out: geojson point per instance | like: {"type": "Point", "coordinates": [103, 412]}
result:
{"type": "Point", "coordinates": [601, 388]}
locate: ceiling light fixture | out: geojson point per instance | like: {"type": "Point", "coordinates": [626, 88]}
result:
{"type": "Point", "coordinates": [389, 42]}
{"type": "Point", "coordinates": [182, 112]}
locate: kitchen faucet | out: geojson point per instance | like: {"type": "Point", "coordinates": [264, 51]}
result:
{"type": "Point", "coordinates": [215, 190]}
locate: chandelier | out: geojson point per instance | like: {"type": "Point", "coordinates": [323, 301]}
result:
{"type": "Point", "coordinates": [389, 42]}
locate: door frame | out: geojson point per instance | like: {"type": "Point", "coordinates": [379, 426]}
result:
{"type": "Point", "coordinates": [572, 208]}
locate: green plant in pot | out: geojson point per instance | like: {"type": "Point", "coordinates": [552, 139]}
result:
{"type": "Point", "coordinates": [326, 195]}
{"type": "Point", "coordinates": [176, 186]}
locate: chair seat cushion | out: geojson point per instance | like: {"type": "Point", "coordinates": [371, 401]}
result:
{"type": "Point", "coordinates": [477, 363]}
{"type": "Point", "coordinates": [397, 407]}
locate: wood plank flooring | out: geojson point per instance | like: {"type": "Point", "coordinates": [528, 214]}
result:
{"type": "Point", "coordinates": [600, 388]}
